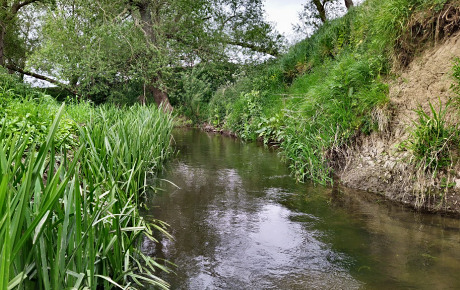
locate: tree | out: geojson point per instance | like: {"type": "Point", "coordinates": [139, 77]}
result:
{"type": "Point", "coordinates": [18, 24]}
{"type": "Point", "coordinates": [199, 30]}
{"type": "Point", "coordinates": [81, 47]}
{"type": "Point", "coordinates": [349, 4]}
{"type": "Point", "coordinates": [317, 12]}
{"type": "Point", "coordinates": [9, 12]}
{"type": "Point", "coordinates": [94, 45]}
{"type": "Point", "coordinates": [321, 8]}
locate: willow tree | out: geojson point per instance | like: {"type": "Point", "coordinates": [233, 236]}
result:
{"type": "Point", "coordinates": [85, 46]}
{"type": "Point", "coordinates": [91, 45]}
{"type": "Point", "coordinates": [11, 36]}
{"type": "Point", "coordinates": [190, 31]}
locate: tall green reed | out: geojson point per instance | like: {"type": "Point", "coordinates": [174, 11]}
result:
{"type": "Point", "coordinates": [69, 218]}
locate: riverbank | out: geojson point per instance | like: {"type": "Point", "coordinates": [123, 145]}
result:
{"type": "Point", "coordinates": [371, 97]}
{"type": "Point", "coordinates": [379, 163]}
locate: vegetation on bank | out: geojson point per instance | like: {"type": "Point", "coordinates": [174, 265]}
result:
{"type": "Point", "coordinates": [435, 136]}
{"type": "Point", "coordinates": [72, 176]}
{"type": "Point", "coordinates": [327, 89]}
{"type": "Point", "coordinates": [71, 181]}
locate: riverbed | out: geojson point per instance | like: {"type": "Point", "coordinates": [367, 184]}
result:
{"type": "Point", "coordinates": [240, 221]}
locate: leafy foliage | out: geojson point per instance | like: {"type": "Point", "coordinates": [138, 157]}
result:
{"type": "Point", "coordinates": [245, 115]}
{"type": "Point", "coordinates": [28, 113]}
{"type": "Point", "coordinates": [271, 130]}
{"type": "Point", "coordinates": [119, 50]}
{"type": "Point", "coordinates": [193, 87]}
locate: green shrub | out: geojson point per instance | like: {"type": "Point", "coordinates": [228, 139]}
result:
{"type": "Point", "coordinates": [193, 88]}
{"type": "Point", "coordinates": [245, 115]}
{"type": "Point", "coordinates": [272, 130]}
{"type": "Point", "coordinates": [31, 112]}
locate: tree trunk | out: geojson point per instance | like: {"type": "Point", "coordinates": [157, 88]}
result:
{"type": "Point", "coordinates": [321, 10]}
{"type": "Point", "coordinates": [2, 44]}
{"type": "Point", "coordinates": [349, 4]}
{"type": "Point", "coordinates": [147, 23]}
{"type": "Point", "coordinates": [145, 11]}
{"type": "Point", "coordinates": [161, 98]}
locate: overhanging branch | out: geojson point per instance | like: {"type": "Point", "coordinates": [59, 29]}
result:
{"type": "Point", "coordinates": [271, 51]}
{"type": "Point", "coordinates": [41, 77]}
{"type": "Point", "coordinates": [18, 5]}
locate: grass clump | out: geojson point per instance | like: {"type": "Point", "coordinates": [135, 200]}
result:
{"type": "Point", "coordinates": [433, 139]}
{"type": "Point", "coordinates": [69, 213]}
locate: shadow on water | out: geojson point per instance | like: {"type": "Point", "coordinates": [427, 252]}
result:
{"type": "Point", "coordinates": [239, 221]}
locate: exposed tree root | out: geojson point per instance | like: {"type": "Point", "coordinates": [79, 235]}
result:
{"type": "Point", "coordinates": [427, 27]}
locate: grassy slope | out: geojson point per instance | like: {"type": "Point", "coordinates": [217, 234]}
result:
{"type": "Point", "coordinates": [324, 91]}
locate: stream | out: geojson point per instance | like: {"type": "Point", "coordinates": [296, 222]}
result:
{"type": "Point", "coordinates": [240, 221]}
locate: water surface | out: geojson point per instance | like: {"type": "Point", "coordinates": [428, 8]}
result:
{"type": "Point", "coordinates": [240, 221]}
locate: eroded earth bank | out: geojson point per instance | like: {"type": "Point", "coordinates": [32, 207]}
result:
{"type": "Point", "coordinates": [380, 162]}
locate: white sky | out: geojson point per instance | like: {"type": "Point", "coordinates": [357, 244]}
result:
{"type": "Point", "coordinates": [284, 13]}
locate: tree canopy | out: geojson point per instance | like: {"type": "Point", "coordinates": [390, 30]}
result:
{"type": "Point", "coordinates": [92, 47]}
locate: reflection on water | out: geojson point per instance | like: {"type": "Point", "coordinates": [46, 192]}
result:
{"type": "Point", "coordinates": [240, 222]}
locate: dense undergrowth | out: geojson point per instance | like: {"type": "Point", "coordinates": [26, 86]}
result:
{"type": "Point", "coordinates": [327, 89]}
{"type": "Point", "coordinates": [71, 179]}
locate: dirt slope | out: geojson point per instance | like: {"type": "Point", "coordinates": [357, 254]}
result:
{"type": "Point", "coordinates": [375, 163]}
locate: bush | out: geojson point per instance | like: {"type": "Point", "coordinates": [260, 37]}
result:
{"type": "Point", "coordinates": [245, 115]}
{"type": "Point", "coordinates": [28, 113]}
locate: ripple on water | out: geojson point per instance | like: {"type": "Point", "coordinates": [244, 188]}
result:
{"type": "Point", "coordinates": [240, 222]}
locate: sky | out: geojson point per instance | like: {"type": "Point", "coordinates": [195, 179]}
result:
{"type": "Point", "coordinates": [284, 13]}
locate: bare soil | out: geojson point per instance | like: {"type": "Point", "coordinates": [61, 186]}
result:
{"type": "Point", "coordinates": [377, 163]}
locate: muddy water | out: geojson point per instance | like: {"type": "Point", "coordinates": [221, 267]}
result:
{"type": "Point", "coordinates": [239, 221]}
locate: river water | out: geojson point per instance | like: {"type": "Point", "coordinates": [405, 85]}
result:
{"type": "Point", "coordinates": [240, 221]}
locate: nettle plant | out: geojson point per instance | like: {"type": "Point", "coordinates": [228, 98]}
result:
{"type": "Point", "coordinates": [246, 114]}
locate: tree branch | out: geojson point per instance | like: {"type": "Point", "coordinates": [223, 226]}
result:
{"type": "Point", "coordinates": [271, 51]}
{"type": "Point", "coordinates": [41, 77]}
{"type": "Point", "coordinates": [349, 4]}
{"type": "Point", "coordinates": [18, 5]}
